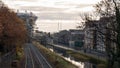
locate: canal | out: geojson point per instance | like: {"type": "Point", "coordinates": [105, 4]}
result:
{"type": "Point", "coordinates": [71, 59]}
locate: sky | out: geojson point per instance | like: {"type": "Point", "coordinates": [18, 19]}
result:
{"type": "Point", "coordinates": [54, 13]}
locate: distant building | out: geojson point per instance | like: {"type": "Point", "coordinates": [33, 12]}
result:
{"type": "Point", "coordinates": [73, 38]}
{"type": "Point", "coordinates": [62, 37]}
{"type": "Point", "coordinates": [95, 34]}
{"type": "Point", "coordinates": [89, 40]}
{"type": "Point", "coordinates": [39, 33]}
{"type": "Point", "coordinates": [2, 4]}
{"type": "Point", "coordinates": [30, 19]}
{"type": "Point", "coordinates": [76, 38]}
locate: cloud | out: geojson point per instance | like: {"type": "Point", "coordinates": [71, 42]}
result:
{"type": "Point", "coordinates": [58, 16]}
{"type": "Point", "coordinates": [60, 21]}
{"type": "Point", "coordinates": [79, 10]}
{"type": "Point", "coordinates": [48, 5]}
{"type": "Point", "coordinates": [72, 4]}
{"type": "Point", "coordinates": [41, 8]}
{"type": "Point", "coordinates": [28, 0]}
{"type": "Point", "coordinates": [53, 27]}
{"type": "Point", "coordinates": [50, 12]}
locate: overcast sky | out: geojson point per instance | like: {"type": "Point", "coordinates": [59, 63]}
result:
{"type": "Point", "coordinates": [50, 12]}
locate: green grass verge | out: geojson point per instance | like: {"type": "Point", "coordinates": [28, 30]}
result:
{"type": "Point", "coordinates": [56, 60]}
{"type": "Point", "coordinates": [19, 54]}
{"type": "Point", "coordinates": [83, 57]}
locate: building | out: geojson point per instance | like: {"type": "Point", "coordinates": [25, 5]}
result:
{"type": "Point", "coordinates": [95, 35]}
{"type": "Point", "coordinates": [89, 35]}
{"type": "Point", "coordinates": [2, 4]}
{"type": "Point", "coordinates": [30, 20]}
{"type": "Point", "coordinates": [76, 38]}
{"type": "Point", "coordinates": [62, 37]}
{"type": "Point", "coordinates": [72, 38]}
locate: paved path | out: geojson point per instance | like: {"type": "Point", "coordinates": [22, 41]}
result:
{"type": "Point", "coordinates": [34, 59]}
{"type": "Point", "coordinates": [96, 55]}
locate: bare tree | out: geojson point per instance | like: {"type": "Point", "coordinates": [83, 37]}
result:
{"type": "Point", "coordinates": [110, 9]}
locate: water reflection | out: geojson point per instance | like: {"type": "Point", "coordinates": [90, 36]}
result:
{"type": "Point", "coordinates": [79, 64]}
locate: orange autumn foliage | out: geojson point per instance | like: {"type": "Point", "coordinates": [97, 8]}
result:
{"type": "Point", "coordinates": [12, 29]}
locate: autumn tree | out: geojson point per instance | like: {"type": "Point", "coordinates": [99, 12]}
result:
{"type": "Point", "coordinates": [12, 29]}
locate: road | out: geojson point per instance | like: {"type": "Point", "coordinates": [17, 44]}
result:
{"type": "Point", "coordinates": [34, 59]}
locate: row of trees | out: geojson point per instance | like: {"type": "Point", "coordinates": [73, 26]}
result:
{"type": "Point", "coordinates": [108, 9]}
{"type": "Point", "coordinates": [12, 30]}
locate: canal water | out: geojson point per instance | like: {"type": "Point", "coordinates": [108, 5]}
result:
{"type": "Point", "coordinates": [79, 64]}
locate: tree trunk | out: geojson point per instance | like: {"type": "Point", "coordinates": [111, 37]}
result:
{"type": "Point", "coordinates": [108, 49]}
{"type": "Point", "coordinates": [118, 36]}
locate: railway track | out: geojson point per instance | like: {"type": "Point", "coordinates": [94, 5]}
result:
{"type": "Point", "coordinates": [34, 59]}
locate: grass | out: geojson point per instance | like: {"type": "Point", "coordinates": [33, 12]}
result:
{"type": "Point", "coordinates": [20, 57]}
{"type": "Point", "coordinates": [83, 57]}
{"type": "Point", "coordinates": [55, 60]}
{"type": "Point", "coordinates": [19, 54]}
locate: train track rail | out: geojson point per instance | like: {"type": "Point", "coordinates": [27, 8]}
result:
{"type": "Point", "coordinates": [34, 59]}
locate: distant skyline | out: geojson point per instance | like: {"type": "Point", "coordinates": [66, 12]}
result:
{"type": "Point", "coordinates": [52, 12]}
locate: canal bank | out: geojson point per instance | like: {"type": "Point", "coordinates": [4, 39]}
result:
{"type": "Point", "coordinates": [81, 61]}
{"type": "Point", "coordinates": [55, 60]}
{"type": "Point", "coordinates": [78, 59]}
{"type": "Point", "coordinates": [95, 60]}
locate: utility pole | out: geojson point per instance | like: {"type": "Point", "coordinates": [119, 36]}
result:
{"type": "Point", "coordinates": [58, 26]}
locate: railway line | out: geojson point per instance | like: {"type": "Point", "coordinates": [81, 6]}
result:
{"type": "Point", "coordinates": [34, 59]}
